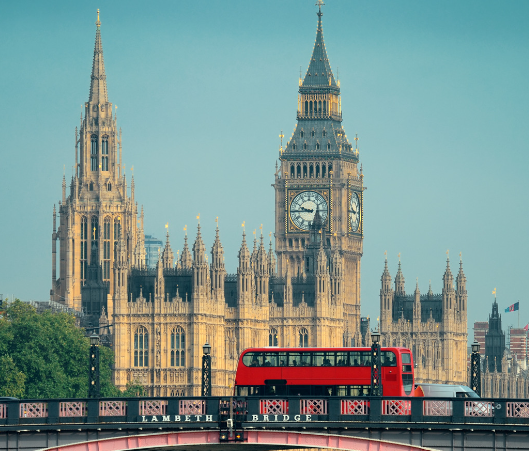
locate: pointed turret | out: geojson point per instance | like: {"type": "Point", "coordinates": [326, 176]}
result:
{"type": "Point", "coordinates": [244, 275]}
{"type": "Point", "coordinates": [319, 73]}
{"type": "Point", "coordinates": [98, 80]}
{"type": "Point", "coordinates": [399, 282]}
{"type": "Point", "coordinates": [186, 260]}
{"type": "Point", "coordinates": [217, 268]}
{"type": "Point", "coordinates": [167, 254]}
{"type": "Point", "coordinates": [271, 260]}
{"type": "Point", "coordinates": [199, 249]}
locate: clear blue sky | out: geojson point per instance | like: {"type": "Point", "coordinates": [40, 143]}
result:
{"type": "Point", "coordinates": [438, 93]}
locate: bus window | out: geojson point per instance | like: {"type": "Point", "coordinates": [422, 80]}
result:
{"type": "Point", "coordinates": [406, 363]}
{"type": "Point", "coordinates": [407, 383]}
{"type": "Point", "coordinates": [342, 358]}
{"type": "Point", "coordinates": [253, 359]}
{"type": "Point", "coordinates": [317, 358]}
{"type": "Point", "coordinates": [271, 359]}
{"type": "Point", "coordinates": [242, 391]}
{"type": "Point", "coordinates": [355, 358]}
{"type": "Point", "coordinates": [366, 359]}
{"type": "Point", "coordinates": [388, 358]}
{"type": "Point", "coordinates": [282, 356]}
{"type": "Point", "coordinates": [305, 358]}
{"type": "Point", "coordinates": [294, 359]}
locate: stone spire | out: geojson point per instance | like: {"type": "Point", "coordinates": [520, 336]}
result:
{"type": "Point", "coordinates": [399, 281]}
{"type": "Point", "coordinates": [98, 80]}
{"type": "Point", "coordinates": [244, 256]}
{"type": "Point", "coordinates": [185, 259]}
{"type": "Point", "coordinates": [448, 278]}
{"type": "Point", "coordinates": [167, 254]}
{"type": "Point", "coordinates": [319, 73]}
{"type": "Point", "coordinates": [271, 259]}
{"type": "Point", "coordinates": [217, 268]}
{"type": "Point", "coordinates": [199, 248]}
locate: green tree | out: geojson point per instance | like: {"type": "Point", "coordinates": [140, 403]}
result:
{"type": "Point", "coordinates": [49, 355]}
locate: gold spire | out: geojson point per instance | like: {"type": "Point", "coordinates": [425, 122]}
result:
{"type": "Point", "coordinates": [98, 22]}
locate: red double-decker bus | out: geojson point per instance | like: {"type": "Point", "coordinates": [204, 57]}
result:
{"type": "Point", "coordinates": [322, 372]}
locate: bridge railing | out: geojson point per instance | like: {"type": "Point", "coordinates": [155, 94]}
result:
{"type": "Point", "coordinates": [263, 409]}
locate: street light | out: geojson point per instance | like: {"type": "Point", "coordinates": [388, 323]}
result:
{"type": "Point", "coordinates": [206, 370]}
{"type": "Point", "coordinates": [93, 388]}
{"type": "Point", "coordinates": [376, 383]}
{"type": "Point", "coordinates": [475, 369]}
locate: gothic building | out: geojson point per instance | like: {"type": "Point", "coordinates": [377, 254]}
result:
{"type": "Point", "coordinates": [433, 326]}
{"type": "Point", "coordinates": [308, 296]}
{"type": "Point", "coordinates": [98, 208]}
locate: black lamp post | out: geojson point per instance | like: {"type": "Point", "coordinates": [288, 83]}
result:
{"type": "Point", "coordinates": [376, 382]}
{"type": "Point", "coordinates": [475, 369]}
{"type": "Point", "coordinates": [206, 370]}
{"type": "Point", "coordinates": [93, 388]}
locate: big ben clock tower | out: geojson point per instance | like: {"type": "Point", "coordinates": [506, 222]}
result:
{"type": "Point", "coordinates": [319, 173]}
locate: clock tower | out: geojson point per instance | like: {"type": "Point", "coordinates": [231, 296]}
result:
{"type": "Point", "coordinates": [319, 176]}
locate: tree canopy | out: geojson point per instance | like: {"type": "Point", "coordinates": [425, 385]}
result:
{"type": "Point", "coordinates": [44, 355]}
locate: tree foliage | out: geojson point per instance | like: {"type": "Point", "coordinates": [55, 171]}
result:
{"type": "Point", "coordinates": [46, 356]}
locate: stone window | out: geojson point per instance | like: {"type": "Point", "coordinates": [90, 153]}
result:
{"type": "Point", "coordinates": [141, 347]}
{"type": "Point", "coordinates": [93, 153]}
{"type": "Point", "coordinates": [303, 338]}
{"type": "Point", "coordinates": [272, 337]}
{"type": "Point", "coordinates": [178, 347]}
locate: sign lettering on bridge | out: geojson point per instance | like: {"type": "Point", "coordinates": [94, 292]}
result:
{"type": "Point", "coordinates": [177, 418]}
{"type": "Point", "coordinates": [280, 417]}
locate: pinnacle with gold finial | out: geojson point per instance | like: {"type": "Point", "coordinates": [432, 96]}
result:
{"type": "Point", "coordinates": [98, 22]}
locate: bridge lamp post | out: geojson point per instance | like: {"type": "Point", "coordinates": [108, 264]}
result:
{"type": "Point", "coordinates": [475, 369]}
{"type": "Point", "coordinates": [376, 383]}
{"type": "Point", "coordinates": [206, 370]}
{"type": "Point", "coordinates": [94, 388]}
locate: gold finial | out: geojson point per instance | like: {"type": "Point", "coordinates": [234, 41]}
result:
{"type": "Point", "coordinates": [386, 255]}
{"type": "Point", "coordinates": [243, 225]}
{"type": "Point", "coordinates": [167, 225]}
{"type": "Point", "coordinates": [132, 168]}
{"type": "Point", "coordinates": [98, 22]}
{"type": "Point", "coordinates": [198, 218]}
{"type": "Point", "coordinates": [217, 219]}
{"type": "Point", "coordinates": [185, 229]}
{"type": "Point", "coordinates": [399, 256]}
{"type": "Point", "coordinates": [254, 231]}
{"type": "Point", "coordinates": [447, 253]}
{"type": "Point", "coordinates": [281, 136]}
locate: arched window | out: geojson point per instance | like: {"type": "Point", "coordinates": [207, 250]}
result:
{"type": "Point", "coordinates": [312, 133]}
{"type": "Point", "coordinates": [301, 134]}
{"type": "Point", "coordinates": [272, 338]}
{"type": "Point", "coordinates": [306, 108]}
{"type": "Point", "coordinates": [330, 168]}
{"type": "Point", "coordinates": [104, 152]}
{"type": "Point", "coordinates": [310, 108]}
{"type": "Point", "coordinates": [304, 170]}
{"type": "Point", "coordinates": [317, 170]}
{"type": "Point", "coordinates": [323, 170]}
{"type": "Point", "coordinates": [324, 109]}
{"type": "Point", "coordinates": [91, 187]}
{"type": "Point", "coordinates": [178, 347]}
{"type": "Point", "coordinates": [93, 153]}
{"type": "Point", "coordinates": [292, 171]}
{"type": "Point", "coordinates": [290, 243]}
{"type": "Point", "coordinates": [303, 338]}
{"type": "Point", "coordinates": [324, 133]}
{"type": "Point", "coordinates": [141, 347]}
{"type": "Point", "coordinates": [328, 146]}
{"type": "Point", "coordinates": [319, 106]}
{"type": "Point", "coordinates": [298, 171]}
{"type": "Point", "coordinates": [311, 171]}
{"type": "Point", "coordinates": [117, 231]}
{"type": "Point", "coordinates": [305, 145]}
{"type": "Point", "coordinates": [109, 187]}
{"type": "Point", "coordinates": [294, 146]}
{"type": "Point", "coordinates": [84, 247]}
{"type": "Point", "coordinates": [317, 145]}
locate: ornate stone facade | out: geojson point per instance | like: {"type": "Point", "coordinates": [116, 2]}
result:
{"type": "Point", "coordinates": [99, 207]}
{"type": "Point", "coordinates": [433, 326]}
{"type": "Point", "coordinates": [161, 318]}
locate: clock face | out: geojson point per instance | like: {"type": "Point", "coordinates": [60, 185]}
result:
{"type": "Point", "coordinates": [304, 207]}
{"type": "Point", "coordinates": [354, 212]}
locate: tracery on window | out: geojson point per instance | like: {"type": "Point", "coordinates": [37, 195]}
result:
{"type": "Point", "coordinates": [141, 347]}
{"type": "Point", "coordinates": [303, 338]}
{"type": "Point", "coordinates": [272, 337]}
{"type": "Point", "coordinates": [178, 347]}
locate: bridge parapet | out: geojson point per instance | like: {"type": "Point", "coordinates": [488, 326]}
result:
{"type": "Point", "coordinates": [279, 410]}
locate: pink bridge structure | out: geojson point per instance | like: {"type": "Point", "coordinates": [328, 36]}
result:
{"type": "Point", "coordinates": [258, 440]}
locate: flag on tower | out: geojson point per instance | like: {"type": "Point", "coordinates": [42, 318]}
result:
{"type": "Point", "coordinates": [526, 328]}
{"type": "Point", "coordinates": [513, 308]}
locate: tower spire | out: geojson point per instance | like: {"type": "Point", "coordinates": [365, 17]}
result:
{"type": "Point", "coordinates": [319, 72]}
{"type": "Point", "coordinates": [98, 80]}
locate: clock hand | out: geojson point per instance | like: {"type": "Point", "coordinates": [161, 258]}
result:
{"type": "Point", "coordinates": [307, 209]}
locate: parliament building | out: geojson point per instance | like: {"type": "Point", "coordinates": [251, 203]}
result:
{"type": "Point", "coordinates": [302, 289]}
